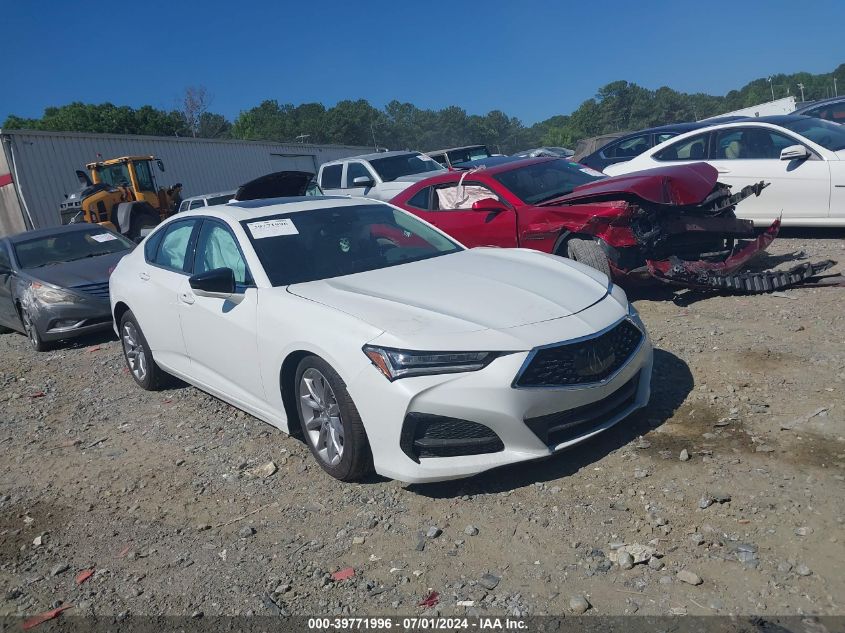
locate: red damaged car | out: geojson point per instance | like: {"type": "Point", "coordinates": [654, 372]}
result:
{"type": "Point", "coordinates": [675, 223]}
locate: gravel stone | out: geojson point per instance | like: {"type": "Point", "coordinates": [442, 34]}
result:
{"type": "Point", "coordinates": [578, 604]}
{"type": "Point", "coordinates": [689, 577]}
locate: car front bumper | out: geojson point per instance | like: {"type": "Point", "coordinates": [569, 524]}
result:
{"type": "Point", "coordinates": [518, 420]}
{"type": "Point", "coordinates": [58, 321]}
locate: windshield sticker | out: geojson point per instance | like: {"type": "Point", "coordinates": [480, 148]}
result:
{"type": "Point", "coordinates": [103, 237]}
{"type": "Point", "coordinates": [591, 172]}
{"type": "Point", "coordinates": [272, 228]}
{"type": "Point", "coordinates": [344, 244]}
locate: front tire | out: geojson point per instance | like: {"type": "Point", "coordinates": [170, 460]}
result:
{"type": "Point", "coordinates": [588, 253]}
{"type": "Point", "coordinates": [330, 421]}
{"type": "Point", "coordinates": [139, 358]}
{"type": "Point", "coordinates": [141, 223]}
{"type": "Point", "coordinates": [32, 333]}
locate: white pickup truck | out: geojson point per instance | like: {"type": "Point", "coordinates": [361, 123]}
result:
{"type": "Point", "coordinates": [382, 175]}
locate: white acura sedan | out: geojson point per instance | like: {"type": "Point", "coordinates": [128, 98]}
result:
{"type": "Point", "coordinates": [802, 158]}
{"type": "Point", "coordinates": [381, 341]}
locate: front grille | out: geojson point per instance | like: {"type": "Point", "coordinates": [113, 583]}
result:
{"type": "Point", "coordinates": [426, 435]}
{"type": "Point", "coordinates": [100, 290]}
{"type": "Point", "coordinates": [584, 362]}
{"type": "Point", "coordinates": [556, 428]}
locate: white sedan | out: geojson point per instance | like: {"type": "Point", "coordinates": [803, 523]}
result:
{"type": "Point", "coordinates": [803, 159]}
{"type": "Point", "coordinates": [383, 342]}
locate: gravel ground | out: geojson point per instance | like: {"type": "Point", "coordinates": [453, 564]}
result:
{"type": "Point", "coordinates": [725, 494]}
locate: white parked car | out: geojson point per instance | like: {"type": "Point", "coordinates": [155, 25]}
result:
{"type": "Point", "coordinates": [381, 176]}
{"type": "Point", "coordinates": [387, 344]}
{"type": "Point", "coordinates": [803, 159]}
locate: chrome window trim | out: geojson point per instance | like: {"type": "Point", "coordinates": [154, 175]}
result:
{"type": "Point", "coordinates": [583, 385]}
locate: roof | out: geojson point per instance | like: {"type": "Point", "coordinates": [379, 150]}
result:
{"type": "Point", "coordinates": [454, 149]}
{"type": "Point", "coordinates": [776, 119]}
{"type": "Point", "coordinates": [371, 156]}
{"type": "Point", "coordinates": [249, 209]}
{"type": "Point", "coordinates": [51, 230]}
{"type": "Point", "coordinates": [807, 105]}
{"type": "Point", "coordinates": [228, 192]}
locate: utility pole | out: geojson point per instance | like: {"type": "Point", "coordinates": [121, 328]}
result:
{"type": "Point", "coordinates": [835, 93]}
{"type": "Point", "coordinates": [771, 86]}
{"type": "Point", "coordinates": [801, 88]}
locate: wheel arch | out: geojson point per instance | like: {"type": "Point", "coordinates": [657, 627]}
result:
{"type": "Point", "coordinates": [287, 389]}
{"type": "Point", "coordinates": [565, 236]}
{"type": "Point", "coordinates": [120, 308]}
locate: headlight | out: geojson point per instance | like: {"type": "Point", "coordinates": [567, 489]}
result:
{"type": "Point", "coordinates": [400, 363]}
{"type": "Point", "coordinates": [47, 294]}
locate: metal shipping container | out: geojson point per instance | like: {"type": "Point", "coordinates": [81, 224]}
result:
{"type": "Point", "coordinates": [37, 169]}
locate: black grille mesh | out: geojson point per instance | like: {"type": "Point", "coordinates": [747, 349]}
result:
{"type": "Point", "coordinates": [101, 290]}
{"type": "Point", "coordinates": [581, 363]}
{"type": "Point", "coordinates": [426, 435]}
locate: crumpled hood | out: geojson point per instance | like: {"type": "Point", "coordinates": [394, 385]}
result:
{"type": "Point", "coordinates": [477, 289]}
{"type": "Point", "coordinates": [672, 184]}
{"type": "Point", "coordinates": [93, 270]}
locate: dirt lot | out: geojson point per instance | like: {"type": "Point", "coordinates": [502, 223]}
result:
{"type": "Point", "coordinates": [155, 491]}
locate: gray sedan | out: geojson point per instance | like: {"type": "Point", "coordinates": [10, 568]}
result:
{"type": "Point", "coordinates": [54, 283]}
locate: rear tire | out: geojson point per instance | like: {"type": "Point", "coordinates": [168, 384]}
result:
{"type": "Point", "coordinates": [139, 357]}
{"type": "Point", "coordinates": [330, 421]}
{"type": "Point", "coordinates": [589, 253]}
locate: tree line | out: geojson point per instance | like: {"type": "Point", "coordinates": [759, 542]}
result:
{"type": "Point", "coordinates": [617, 106]}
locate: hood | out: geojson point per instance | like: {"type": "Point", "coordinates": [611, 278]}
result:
{"type": "Point", "coordinates": [416, 177]}
{"type": "Point", "coordinates": [675, 185]}
{"type": "Point", "coordinates": [281, 184]}
{"type": "Point", "coordinates": [93, 270]}
{"type": "Point", "coordinates": [478, 289]}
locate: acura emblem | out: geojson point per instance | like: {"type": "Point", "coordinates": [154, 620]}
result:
{"type": "Point", "coordinates": [594, 360]}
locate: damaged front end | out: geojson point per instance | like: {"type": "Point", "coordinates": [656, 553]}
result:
{"type": "Point", "coordinates": [678, 225]}
{"type": "Point", "coordinates": [678, 243]}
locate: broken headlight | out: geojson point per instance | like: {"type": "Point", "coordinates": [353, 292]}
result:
{"type": "Point", "coordinates": [400, 363]}
{"type": "Point", "coordinates": [48, 294]}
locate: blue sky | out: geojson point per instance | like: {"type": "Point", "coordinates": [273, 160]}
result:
{"type": "Point", "coordinates": [530, 59]}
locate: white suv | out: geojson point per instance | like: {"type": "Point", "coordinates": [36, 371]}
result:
{"type": "Point", "coordinates": [382, 175]}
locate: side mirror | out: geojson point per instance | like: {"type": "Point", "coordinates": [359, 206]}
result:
{"type": "Point", "coordinates": [218, 283]}
{"type": "Point", "coordinates": [488, 205]}
{"type": "Point", "coordinates": [794, 152]}
{"type": "Point", "coordinates": [160, 164]}
{"type": "Point", "coordinates": [363, 181]}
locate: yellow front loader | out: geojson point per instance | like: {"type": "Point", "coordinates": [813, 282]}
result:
{"type": "Point", "coordinates": [121, 193]}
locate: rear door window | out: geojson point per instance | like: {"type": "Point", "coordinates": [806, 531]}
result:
{"type": "Point", "coordinates": [420, 200]}
{"type": "Point", "coordinates": [173, 250]}
{"type": "Point", "coordinates": [627, 148]}
{"type": "Point", "coordinates": [330, 177]}
{"type": "Point", "coordinates": [693, 148]}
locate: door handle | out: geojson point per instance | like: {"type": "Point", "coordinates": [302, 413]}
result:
{"type": "Point", "coordinates": [144, 276]}
{"type": "Point", "coordinates": [723, 171]}
{"type": "Point", "coordinates": [186, 297]}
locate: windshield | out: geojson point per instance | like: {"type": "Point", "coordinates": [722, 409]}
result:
{"type": "Point", "coordinates": [325, 243]}
{"type": "Point", "coordinates": [467, 154]}
{"type": "Point", "coordinates": [69, 246]}
{"type": "Point", "coordinates": [543, 181]}
{"type": "Point", "coordinates": [215, 200]}
{"type": "Point", "coordinates": [829, 135]}
{"type": "Point", "coordinates": [393, 167]}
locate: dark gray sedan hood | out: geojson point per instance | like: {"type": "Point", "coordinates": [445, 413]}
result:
{"type": "Point", "coordinates": [91, 270]}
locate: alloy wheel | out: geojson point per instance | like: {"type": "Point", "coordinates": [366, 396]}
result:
{"type": "Point", "coordinates": [134, 350]}
{"type": "Point", "coordinates": [321, 414]}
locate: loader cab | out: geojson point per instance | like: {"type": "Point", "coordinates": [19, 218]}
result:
{"type": "Point", "coordinates": [131, 172]}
